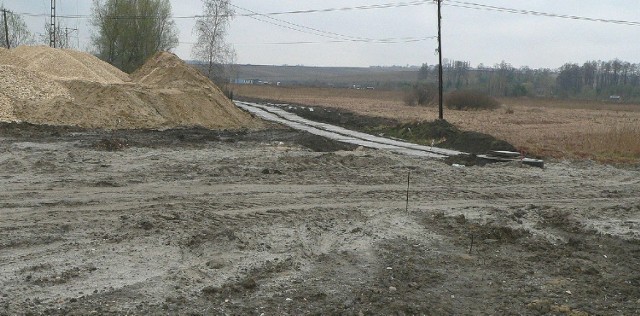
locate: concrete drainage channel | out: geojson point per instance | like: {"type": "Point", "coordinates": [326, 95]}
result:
{"type": "Point", "coordinates": [274, 114]}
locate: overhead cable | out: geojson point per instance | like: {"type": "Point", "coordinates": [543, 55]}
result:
{"type": "Point", "coordinates": [478, 6]}
{"type": "Point", "coordinates": [325, 10]}
{"type": "Point", "coordinates": [337, 37]}
{"type": "Point", "coordinates": [450, 3]}
{"type": "Point", "coordinates": [363, 7]}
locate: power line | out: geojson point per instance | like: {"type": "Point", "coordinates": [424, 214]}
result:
{"type": "Point", "coordinates": [341, 38]}
{"type": "Point", "coordinates": [387, 41]}
{"type": "Point", "coordinates": [266, 18]}
{"type": "Point", "coordinates": [314, 31]}
{"type": "Point", "coordinates": [451, 3]}
{"type": "Point", "coordinates": [325, 10]}
{"type": "Point", "coordinates": [477, 6]}
{"type": "Point", "coordinates": [363, 7]}
{"type": "Point", "coordinates": [333, 36]}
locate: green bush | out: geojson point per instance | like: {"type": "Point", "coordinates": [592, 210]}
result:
{"type": "Point", "coordinates": [470, 100]}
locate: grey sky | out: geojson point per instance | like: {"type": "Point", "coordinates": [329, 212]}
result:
{"type": "Point", "coordinates": [477, 36]}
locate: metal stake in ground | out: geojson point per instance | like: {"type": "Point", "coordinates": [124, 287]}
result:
{"type": "Point", "coordinates": [408, 185]}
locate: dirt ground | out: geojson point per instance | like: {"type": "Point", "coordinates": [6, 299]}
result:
{"type": "Point", "coordinates": [198, 222]}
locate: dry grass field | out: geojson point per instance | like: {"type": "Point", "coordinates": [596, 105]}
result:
{"type": "Point", "coordinates": [569, 129]}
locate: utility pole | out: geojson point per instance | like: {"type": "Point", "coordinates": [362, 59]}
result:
{"type": "Point", "coordinates": [6, 28]}
{"type": "Point", "coordinates": [440, 83]}
{"type": "Point", "coordinates": [66, 43]}
{"type": "Point", "coordinates": [52, 31]}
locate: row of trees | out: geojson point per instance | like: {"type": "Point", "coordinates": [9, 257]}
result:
{"type": "Point", "coordinates": [500, 80]}
{"type": "Point", "coordinates": [595, 79]}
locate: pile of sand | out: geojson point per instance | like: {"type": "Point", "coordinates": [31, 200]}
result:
{"type": "Point", "coordinates": [64, 64]}
{"type": "Point", "coordinates": [42, 85]}
{"type": "Point", "coordinates": [182, 87]}
{"type": "Point", "coordinates": [169, 71]}
{"type": "Point", "coordinates": [19, 86]}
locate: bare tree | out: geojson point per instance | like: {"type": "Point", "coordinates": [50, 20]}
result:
{"type": "Point", "coordinates": [423, 73]}
{"type": "Point", "coordinates": [17, 29]}
{"type": "Point", "coordinates": [211, 47]}
{"type": "Point", "coordinates": [63, 36]}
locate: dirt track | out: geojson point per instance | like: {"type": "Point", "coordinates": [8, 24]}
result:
{"type": "Point", "coordinates": [197, 222]}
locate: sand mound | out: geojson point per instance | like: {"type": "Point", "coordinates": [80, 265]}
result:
{"type": "Point", "coordinates": [62, 87]}
{"type": "Point", "coordinates": [64, 64]}
{"type": "Point", "coordinates": [130, 106]}
{"type": "Point", "coordinates": [93, 105]}
{"type": "Point", "coordinates": [7, 58]}
{"type": "Point", "coordinates": [6, 111]}
{"type": "Point", "coordinates": [21, 84]}
{"type": "Point", "coordinates": [168, 70]}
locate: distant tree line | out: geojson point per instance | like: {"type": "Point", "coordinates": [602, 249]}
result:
{"type": "Point", "coordinates": [592, 80]}
{"type": "Point", "coordinates": [600, 79]}
{"type": "Point", "coordinates": [501, 80]}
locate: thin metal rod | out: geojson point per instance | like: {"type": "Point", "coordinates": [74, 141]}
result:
{"type": "Point", "coordinates": [408, 185]}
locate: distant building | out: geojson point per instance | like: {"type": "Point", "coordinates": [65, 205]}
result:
{"type": "Point", "coordinates": [246, 81]}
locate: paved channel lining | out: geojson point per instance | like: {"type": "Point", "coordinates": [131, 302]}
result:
{"type": "Point", "coordinates": [275, 114]}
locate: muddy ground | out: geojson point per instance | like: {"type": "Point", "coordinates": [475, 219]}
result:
{"type": "Point", "coordinates": [255, 223]}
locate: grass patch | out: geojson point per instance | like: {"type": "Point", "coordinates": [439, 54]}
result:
{"type": "Point", "coordinates": [613, 144]}
{"type": "Point", "coordinates": [444, 134]}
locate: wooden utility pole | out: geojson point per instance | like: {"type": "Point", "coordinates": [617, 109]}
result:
{"type": "Point", "coordinates": [6, 28]}
{"type": "Point", "coordinates": [52, 32]}
{"type": "Point", "coordinates": [440, 82]}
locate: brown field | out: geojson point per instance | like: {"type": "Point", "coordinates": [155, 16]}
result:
{"type": "Point", "coordinates": [568, 129]}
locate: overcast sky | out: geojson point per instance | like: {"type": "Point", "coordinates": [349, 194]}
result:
{"type": "Point", "coordinates": [335, 38]}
